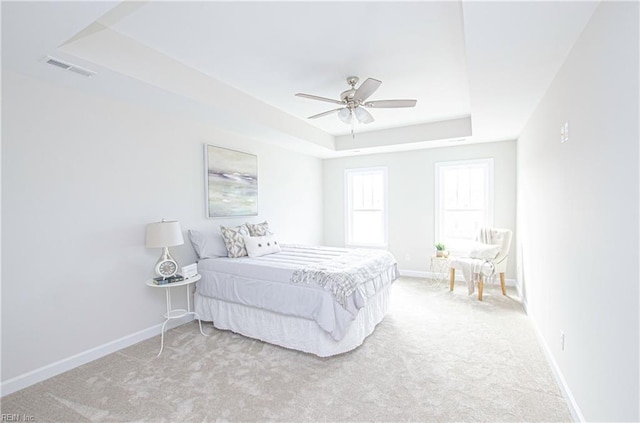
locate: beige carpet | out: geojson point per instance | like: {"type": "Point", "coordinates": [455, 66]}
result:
{"type": "Point", "coordinates": [437, 356]}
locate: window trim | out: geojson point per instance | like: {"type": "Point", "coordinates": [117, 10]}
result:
{"type": "Point", "coordinates": [348, 206]}
{"type": "Point", "coordinates": [438, 166]}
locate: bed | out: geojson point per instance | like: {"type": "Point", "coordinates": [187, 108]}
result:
{"type": "Point", "coordinates": [319, 300]}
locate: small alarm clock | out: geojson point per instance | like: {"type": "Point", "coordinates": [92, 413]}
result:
{"type": "Point", "coordinates": [166, 267]}
{"type": "Point", "coordinates": [190, 270]}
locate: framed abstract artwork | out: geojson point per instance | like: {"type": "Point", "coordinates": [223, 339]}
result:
{"type": "Point", "coordinates": [231, 182]}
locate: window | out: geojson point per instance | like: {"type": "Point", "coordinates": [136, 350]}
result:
{"type": "Point", "coordinates": [366, 204]}
{"type": "Point", "coordinates": [464, 201]}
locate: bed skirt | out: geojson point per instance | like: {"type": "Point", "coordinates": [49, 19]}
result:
{"type": "Point", "coordinates": [290, 331]}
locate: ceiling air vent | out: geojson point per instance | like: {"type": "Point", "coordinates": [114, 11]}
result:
{"type": "Point", "coordinates": [68, 66]}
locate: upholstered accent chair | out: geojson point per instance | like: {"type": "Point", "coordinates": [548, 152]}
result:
{"type": "Point", "coordinates": [487, 258]}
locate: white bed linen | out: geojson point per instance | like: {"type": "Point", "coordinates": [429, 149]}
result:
{"type": "Point", "coordinates": [293, 332]}
{"type": "Point", "coordinates": [264, 283]}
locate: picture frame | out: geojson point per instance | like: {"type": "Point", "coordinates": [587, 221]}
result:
{"type": "Point", "coordinates": [231, 182]}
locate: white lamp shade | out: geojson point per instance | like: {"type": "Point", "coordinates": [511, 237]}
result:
{"type": "Point", "coordinates": [363, 116]}
{"type": "Point", "coordinates": [345, 115]}
{"type": "Point", "coordinates": [164, 234]}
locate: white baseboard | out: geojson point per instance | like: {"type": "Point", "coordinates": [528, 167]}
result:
{"type": "Point", "coordinates": [38, 375]}
{"type": "Point", "coordinates": [557, 373]}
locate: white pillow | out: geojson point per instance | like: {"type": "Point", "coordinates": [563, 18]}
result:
{"type": "Point", "coordinates": [484, 251]}
{"type": "Point", "coordinates": [207, 244]}
{"type": "Point", "coordinates": [261, 245]}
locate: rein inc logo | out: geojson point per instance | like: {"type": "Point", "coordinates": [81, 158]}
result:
{"type": "Point", "coordinates": [16, 418]}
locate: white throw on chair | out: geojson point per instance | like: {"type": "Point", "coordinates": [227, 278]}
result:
{"type": "Point", "coordinates": [487, 258]}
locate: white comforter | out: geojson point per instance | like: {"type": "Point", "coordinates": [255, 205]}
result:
{"type": "Point", "coordinates": [266, 283]}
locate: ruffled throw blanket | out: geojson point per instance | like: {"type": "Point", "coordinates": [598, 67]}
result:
{"type": "Point", "coordinates": [343, 274]}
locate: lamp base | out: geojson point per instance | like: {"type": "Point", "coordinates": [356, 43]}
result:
{"type": "Point", "coordinates": [166, 266]}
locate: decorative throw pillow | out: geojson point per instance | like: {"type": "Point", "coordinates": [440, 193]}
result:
{"type": "Point", "coordinates": [208, 244]}
{"type": "Point", "coordinates": [233, 239]}
{"type": "Point", "coordinates": [484, 251]}
{"type": "Point", "coordinates": [261, 245]}
{"type": "Point", "coordinates": [258, 229]}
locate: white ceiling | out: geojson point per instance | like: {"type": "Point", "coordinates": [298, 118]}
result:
{"type": "Point", "coordinates": [477, 69]}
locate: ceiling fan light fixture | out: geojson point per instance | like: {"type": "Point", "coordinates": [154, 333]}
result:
{"type": "Point", "coordinates": [363, 116]}
{"type": "Point", "coordinates": [345, 115]}
{"type": "Point", "coordinates": [353, 102]}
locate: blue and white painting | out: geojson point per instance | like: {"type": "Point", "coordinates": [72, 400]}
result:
{"type": "Point", "coordinates": [232, 182]}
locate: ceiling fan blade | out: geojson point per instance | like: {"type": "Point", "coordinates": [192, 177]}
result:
{"type": "Point", "coordinates": [315, 97]}
{"type": "Point", "coordinates": [325, 113]}
{"type": "Point", "coordinates": [367, 88]}
{"type": "Point", "coordinates": [390, 103]}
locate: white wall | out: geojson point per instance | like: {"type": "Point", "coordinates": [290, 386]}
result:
{"type": "Point", "coordinates": [81, 177]}
{"type": "Point", "coordinates": [411, 184]}
{"type": "Point", "coordinates": [578, 216]}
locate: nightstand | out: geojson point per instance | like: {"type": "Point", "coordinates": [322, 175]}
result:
{"type": "Point", "coordinates": [176, 313]}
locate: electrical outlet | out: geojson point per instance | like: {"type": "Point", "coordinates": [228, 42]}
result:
{"type": "Point", "coordinates": [562, 340]}
{"type": "Point", "coordinates": [407, 257]}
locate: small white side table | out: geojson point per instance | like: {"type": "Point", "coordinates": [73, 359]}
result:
{"type": "Point", "coordinates": [176, 313]}
{"type": "Point", "coordinates": [440, 269]}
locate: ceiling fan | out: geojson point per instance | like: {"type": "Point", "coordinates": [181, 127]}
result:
{"type": "Point", "coordinates": [353, 102]}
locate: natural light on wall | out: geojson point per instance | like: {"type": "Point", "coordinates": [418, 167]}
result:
{"type": "Point", "coordinates": [464, 201]}
{"type": "Point", "coordinates": [366, 215]}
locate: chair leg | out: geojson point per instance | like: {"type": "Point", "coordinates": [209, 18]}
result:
{"type": "Point", "coordinates": [452, 278]}
{"type": "Point", "coordinates": [480, 287]}
{"type": "Point", "coordinates": [504, 291]}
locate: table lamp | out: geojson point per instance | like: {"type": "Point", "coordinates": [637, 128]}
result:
{"type": "Point", "coordinates": [163, 235]}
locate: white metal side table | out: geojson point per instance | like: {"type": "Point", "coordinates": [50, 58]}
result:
{"type": "Point", "coordinates": [439, 270]}
{"type": "Point", "coordinates": [176, 313]}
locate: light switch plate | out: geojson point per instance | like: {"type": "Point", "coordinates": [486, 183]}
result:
{"type": "Point", "coordinates": [564, 133]}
